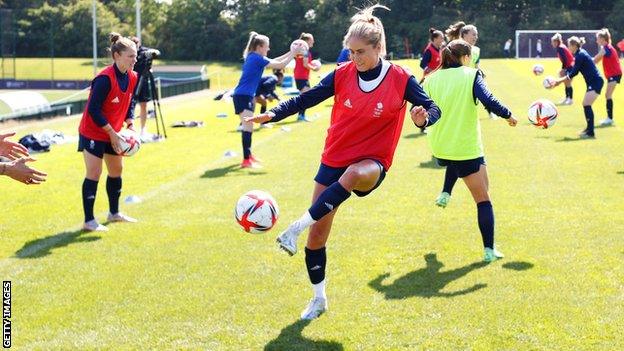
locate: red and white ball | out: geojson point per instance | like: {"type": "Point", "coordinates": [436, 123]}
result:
{"type": "Point", "coordinates": [543, 113]}
{"type": "Point", "coordinates": [316, 64]}
{"type": "Point", "coordinates": [131, 143]}
{"type": "Point", "coordinates": [538, 69]}
{"type": "Point", "coordinates": [299, 47]}
{"type": "Point", "coordinates": [256, 211]}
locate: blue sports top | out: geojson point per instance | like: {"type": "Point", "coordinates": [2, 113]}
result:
{"type": "Point", "coordinates": [343, 56]}
{"type": "Point", "coordinates": [100, 87]}
{"type": "Point", "coordinates": [584, 64]}
{"type": "Point", "coordinates": [267, 85]}
{"type": "Point", "coordinates": [414, 93]}
{"type": "Point", "coordinates": [252, 72]}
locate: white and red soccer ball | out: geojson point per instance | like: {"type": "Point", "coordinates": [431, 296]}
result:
{"type": "Point", "coordinates": [299, 47]}
{"type": "Point", "coordinates": [543, 113]}
{"type": "Point", "coordinates": [256, 211]}
{"type": "Point", "coordinates": [538, 69]}
{"type": "Point", "coordinates": [131, 143]}
{"type": "Point", "coordinates": [548, 82]}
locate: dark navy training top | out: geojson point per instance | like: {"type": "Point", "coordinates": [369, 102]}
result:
{"type": "Point", "coordinates": [584, 64]}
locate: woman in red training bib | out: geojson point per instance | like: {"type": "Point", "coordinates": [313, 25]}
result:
{"type": "Point", "coordinates": [367, 118]}
{"type": "Point", "coordinates": [109, 106]}
{"type": "Point", "coordinates": [611, 68]}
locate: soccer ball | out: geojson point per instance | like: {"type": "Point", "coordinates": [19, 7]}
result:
{"type": "Point", "coordinates": [538, 69]}
{"type": "Point", "coordinates": [131, 143]}
{"type": "Point", "coordinates": [548, 82]}
{"type": "Point", "coordinates": [299, 47]}
{"type": "Point", "coordinates": [256, 211]}
{"type": "Point", "coordinates": [543, 113]}
{"type": "Point", "coordinates": [316, 64]}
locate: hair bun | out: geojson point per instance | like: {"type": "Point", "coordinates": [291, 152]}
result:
{"type": "Point", "coordinates": [113, 37]}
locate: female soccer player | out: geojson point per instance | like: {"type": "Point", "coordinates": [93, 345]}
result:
{"type": "Point", "coordinates": [567, 61]}
{"type": "Point", "coordinates": [302, 71]}
{"type": "Point", "coordinates": [110, 104]}
{"type": "Point", "coordinates": [431, 55]}
{"type": "Point", "coordinates": [470, 34]}
{"type": "Point", "coordinates": [255, 61]}
{"type": "Point", "coordinates": [456, 88]}
{"type": "Point", "coordinates": [367, 117]}
{"type": "Point", "coordinates": [611, 68]}
{"type": "Point", "coordinates": [584, 64]}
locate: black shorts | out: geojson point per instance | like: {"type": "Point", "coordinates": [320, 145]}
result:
{"type": "Point", "coordinates": [242, 103]}
{"type": "Point", "coordinates": [615, 79]}
{"type": "Point", "coordinates": [145, 93]}
{"type": "Point", "coordinates": [462, 168]}
{"type": "Point", "coordinates": [596, 86]}
{"type": "Point", "coordinates": [95, 147]}
{"type": "Point", "coordinates": [328, 175]}
{"type": "Point", "coordinates": [302, 83]}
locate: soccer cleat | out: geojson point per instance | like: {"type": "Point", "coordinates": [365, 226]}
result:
{"type": "Point", "coordinates": [585, 135]}
{"type": "Point", "coordinates": [606, 122]}
{"type": "Point", "coordinates": [249, 163]}
{"type": "Point", "coordinates": [316, 307]}
{"type": "Point", "coordinates": [566, 101]}
{"type": "Point", "coordinates": [303, 118]}
{"type": "Point", "coordinates": [266, 125]}
{"type": "Point", "coordinates": [120, 217]}
{"type": "Point", "coordinates": [94, 226]}
{"type": "Point", "coordinates": [287, 240]}
{"type": "Point", "coordinates": [443, 199]}
{"type": "Point", "coordinates": [239, 128]}
{"type": "Point", "coordinates": [492, 255]}
{"type": "Point", "coordinates": [254, 159]}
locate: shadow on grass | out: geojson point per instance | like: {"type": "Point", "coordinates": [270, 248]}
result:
{"type": "Point", "coordinates": [518, 265]}
{"type": "Point", "coordinates": [620, 172]}
{"type": "Point", "coordinates": [290, 339]}
{"type": "Point", "coordinates": [231, 169]}
{"type": "Point", "coordinates": [568, 139]}
{"type": "Point", "coordinates": [414, 135]}
{"type": "Point", "coordinates": [427, 282]}
{"type": "Point", "coordinates": [430, 164]}
{"type": "Point", "coordinates": [42, 247]}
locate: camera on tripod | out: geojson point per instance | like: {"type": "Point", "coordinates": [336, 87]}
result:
{"type": "Point", "coordinates": [146, 87]}
{"type": "Point", "coordinates": [150, 54]}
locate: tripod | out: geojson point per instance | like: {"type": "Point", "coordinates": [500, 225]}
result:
{"type": "Point", "coordinates": [147, 76]}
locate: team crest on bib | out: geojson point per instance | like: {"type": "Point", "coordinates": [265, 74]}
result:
{"type": "Point", "coordinates": [348, 103]}
{"type": "Point", "coordinates": [378, 110]}
{"type": "Point", "coordinates": [115, 100]}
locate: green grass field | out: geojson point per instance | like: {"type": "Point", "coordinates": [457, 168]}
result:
{"type": "Point", "coordinates": [402, 273]}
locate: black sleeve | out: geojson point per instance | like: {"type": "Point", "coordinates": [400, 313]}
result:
{"type": "Point", "coordinates": [415, 94]}
{"type": "Point", "coordinates": [310, 98]}
{"type": "Point", "coordinates": [100, 88]}
{"type": "Point", "coordinates": [480, 91]}
{"type": "Point", "coordinates": [425, 59]}
{"type": "Point", "coordinates": [130, 114]}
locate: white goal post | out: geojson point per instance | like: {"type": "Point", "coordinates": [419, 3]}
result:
{"type": "Point", "coordinates": [526, 41]}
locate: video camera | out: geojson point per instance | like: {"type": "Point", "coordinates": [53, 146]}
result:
{"type": "Point", "coordinates": [151, 54]}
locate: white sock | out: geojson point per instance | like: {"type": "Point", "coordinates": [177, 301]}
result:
{"type": "Point", "coordinates": [319, 289]}
{"type": "Point", "coordinates": [305, 221]}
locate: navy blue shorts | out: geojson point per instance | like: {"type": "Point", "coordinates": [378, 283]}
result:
{"type": "Point", "coordinates": [615, 79]}
{"type": "Point", "coordinates": [462, 168]}
{"type": "Point", "coordinates": [95, 147]}
{"type": "Point", "coordinates": [596, 86]}
{"type": "Point", "coordinates": [243, 102]}
{"type": "Point", "coordinates": [302, 83]}
{"type": "Point", "coordinates": [328, 175]}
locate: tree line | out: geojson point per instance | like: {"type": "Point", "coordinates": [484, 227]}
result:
{"type": "Point", "coordinates": [203, 30]}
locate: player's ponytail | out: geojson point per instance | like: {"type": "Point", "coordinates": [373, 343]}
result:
{"type": "Point", "coordinates": [119, 43]}
{"type": "Point", "coordinates": [604, 34]}
{"type": "Point", "coordinates": [453, 53]}
{"type": "Point", "coordinates": [434, 33]}
{"type": "Point", "coordinates": [255, 40]}
{"type": "Point", "coordinates": [367, 27]}
{"type": "Point", "coordinates": [453, 31]}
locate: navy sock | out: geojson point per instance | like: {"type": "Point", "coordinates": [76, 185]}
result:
{"type": "Point", "coordinates": [329, 199]}
{"type": "Point", "coordinates": [89, 190]}
{"type": "Point", "coordinates": [246, 138]}
{"type": "Point", "coordinates": [589, 118]}
{"type": "Point", "coordinates": [113, 189]}
{"type": "Point", "coordinates": [450, 178]}
{"type": "Point", "coordinates": [568, 92]}
{"type": "Point", "coordinates": [485, 215]}
{"type": "Point", "coordinates": [315, 263]}
{"type": "Point", "coordinates": [610, 108]}
{"type": "Point", "coordinates": [262, 109]}
{"type": "Point", "coordinates": [302, 113]}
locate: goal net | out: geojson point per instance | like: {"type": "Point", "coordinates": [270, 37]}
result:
{"type": "Point", "coordinates": [527, 42]}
